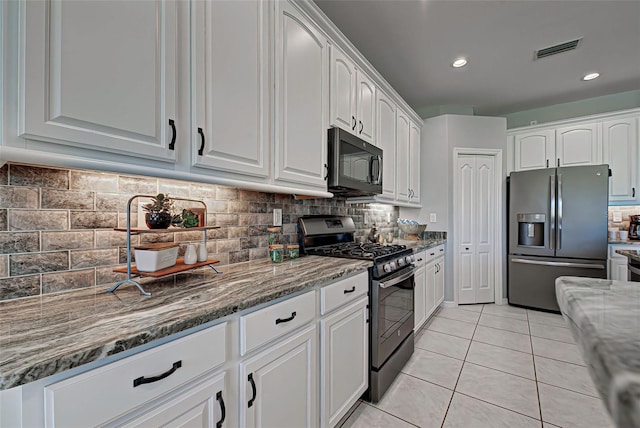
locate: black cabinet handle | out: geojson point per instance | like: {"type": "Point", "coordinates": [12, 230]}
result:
{"type": "Point", "coordinates": [361, 126]}
{"type": "Point", "coordinates": [419, 260]}
{"type": "Point", "coordinates": [223, 409]}
{"type": "Point", "coordinates": [547, 163]}
{"type": "Point", "coordinates": [441, 249]}
{"type": "Point", "coordinates": [142, 380]}
{"type": "Point", "coordinates": [172, 144]}
{"type": "Point", "coordinates": [351, 290]}
{"type": "Point", "coordinates": [353, 127]}
{"type": "Point", "coordinates": [633, 192]}
{"type": "Point", "coordinates": [558, 161]}
{"type": "Point", "coordinates": [326, 170]}
{"type": "Point", "coordinates": [280, 320]}
{"type": "Point", "coordinates": [253, 389]}
{"type": "Point", "coordinates": [466, 248]}
{"type": "Point", "coordinates": [433, 254]}
{"type": "Point", "coordinates": [201, 149]}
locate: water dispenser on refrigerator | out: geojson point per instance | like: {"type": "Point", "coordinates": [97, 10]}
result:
{"type": "Point", "coordinates": [531, 230]}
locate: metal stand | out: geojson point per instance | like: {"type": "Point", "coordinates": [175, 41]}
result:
{"type": "Point", "coordinates": [129, 279]}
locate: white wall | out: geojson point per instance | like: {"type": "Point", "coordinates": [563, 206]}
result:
{"type": "Point", "coordinates": [439, 136]}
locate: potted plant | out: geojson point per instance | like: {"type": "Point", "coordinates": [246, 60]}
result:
{"type": "Point", "coordinates": [158, 212]}
{"type": "Point", "coordinates": [185, 219]}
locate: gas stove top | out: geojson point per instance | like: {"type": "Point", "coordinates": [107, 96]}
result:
{"type": "Point", "coordinates": [354, 250]}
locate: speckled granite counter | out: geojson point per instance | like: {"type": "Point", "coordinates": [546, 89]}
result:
{"type": "Point", "coordinates": [44, 335]}
{"type": "Point", "coordinates": [422, 244]}
{"type": "Point", "coordinates": [605, 318]}
{"type": "Point", "coordinates": [631, 254]}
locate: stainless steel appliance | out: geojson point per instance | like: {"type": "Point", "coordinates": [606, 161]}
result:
{"type": "Point", "coordinates": [391, 293]}
{"type": "Point", "coordinates": [634, 271]}
{"type": "Point", "coordinates": [634, 227]}
{"type": "Point", "coordinates": [355, 166]}
{"type": "Point", "coordinates": [557, 227]}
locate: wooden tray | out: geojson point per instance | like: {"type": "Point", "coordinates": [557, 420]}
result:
{"type": "Point", "coordinates": [177, 268]}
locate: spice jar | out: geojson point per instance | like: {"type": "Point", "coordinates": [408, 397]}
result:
{"type": "Point", "coordinates": [273, 234]}
{"type": "Point", "coordinates": [276, 253]}
{"type": "Point", "coordinates": [293, 251]}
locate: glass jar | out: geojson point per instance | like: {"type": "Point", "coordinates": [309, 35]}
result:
{"type": "Point", "coordinates": [273, 234]}
{"type": "Point", "coordinates": [293, 251]}
{"type": "Point", "coordinates": [276, 253]}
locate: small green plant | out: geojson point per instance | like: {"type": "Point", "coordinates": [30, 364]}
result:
{"type": "Point", "coordinates": [186, 218]}
{"type": "Point", "coordinates": [161, 203]}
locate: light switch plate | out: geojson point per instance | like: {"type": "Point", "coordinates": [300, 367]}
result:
{"type": "Point", "coordinates": [432, 217]}
{"type": "Point", "coordinates": [617, 216]}
{"type": "Point", "coordinates": [277, 217]}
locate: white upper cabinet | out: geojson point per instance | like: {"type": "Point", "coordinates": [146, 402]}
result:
{"type": "Point", "coordinates": [577, 145]}
{"type": "Point", "coordinates": [534, 150]}
{"type": "Point", "coordinates": [414, 163]}
{"type": "Point", "coordinates": [353, 97]}
{"type": "Point", "coordinates": [100, 75]}
{"type": "Point", "coordinates": [403, 126]}
{"type": "Point", "coordinates": [366, 107]}
{"type": "Point", "coordinates": [230, 86]}
{"type": "Point", "coordinates": [301, 99]}
{"type": "Point", "coordinates": [343, 91]}
{"type": "Point", "coordinates": [620, 151]}
{"type": "Point", "coordinates": [386, 139]}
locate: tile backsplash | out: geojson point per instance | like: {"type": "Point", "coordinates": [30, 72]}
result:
{"type": "Point", "coordinates": [56, 225]}
{"type": "Point", "coordinates": [625, 212]}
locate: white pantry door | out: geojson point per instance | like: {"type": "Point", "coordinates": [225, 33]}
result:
{"type": "Point", "coordinates": [475, 228]}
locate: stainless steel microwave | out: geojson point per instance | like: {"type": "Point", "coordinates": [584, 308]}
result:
{"type": "Point", "coordinates": [355, 166]}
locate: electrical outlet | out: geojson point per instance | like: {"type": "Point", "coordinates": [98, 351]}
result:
{"type": "Point", "coordinates": [277, 217]}
{"type": "Point", "coordinates": [617, 216]}
{"type": "Point", "coordinates": [366, 217]}
{"type": "Point", "coordinates": [432, 217]}
{"type": "Point", "coordinates": [388, 217]}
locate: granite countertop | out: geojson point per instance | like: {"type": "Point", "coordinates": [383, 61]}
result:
{"type": "Point", "coordinates": [631, 254]}
{"type": "Point", "coordinates": [421, 244]}
{"type": "Point", "coordinates": [627, 242]}
{"type": "Point", "coordinates": [44, 335]}
{"type": "Point", "coordinates": [604, 316]}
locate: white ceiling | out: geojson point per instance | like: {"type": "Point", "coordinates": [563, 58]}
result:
{"type": "Point", "coordinates": [413, 42]}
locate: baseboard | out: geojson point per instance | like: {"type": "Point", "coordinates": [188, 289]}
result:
{"type": "Point", "coordinates": [449, 304]}
{"type": "Point", "coordinates": [505, 301]}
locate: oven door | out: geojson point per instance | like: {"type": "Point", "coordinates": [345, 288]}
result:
{"type": "Point", "coordinates": [392, 318]}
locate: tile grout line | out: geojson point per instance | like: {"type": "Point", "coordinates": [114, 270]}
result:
{"type": "Point", "coordinates": [535, 372]}
{"type": "Point", "coordinates": [571, 390]}
{"type": "Point", "coordinates": [388, 413]}
{"type": "Point", "coordinates": [461, 369]}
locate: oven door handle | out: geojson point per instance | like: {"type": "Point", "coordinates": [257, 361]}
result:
{"type": "Point", "coordinates": [396, 280]}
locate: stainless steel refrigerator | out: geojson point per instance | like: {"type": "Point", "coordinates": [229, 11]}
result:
{"type": "Point", "coordinates": [557, 227]}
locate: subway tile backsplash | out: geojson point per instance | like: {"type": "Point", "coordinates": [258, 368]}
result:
{"type": "Point", "coordinates": [56, 225]}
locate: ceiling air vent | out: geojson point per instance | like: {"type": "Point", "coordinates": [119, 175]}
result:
{"type": "Point", "coordinates": [553, 50]}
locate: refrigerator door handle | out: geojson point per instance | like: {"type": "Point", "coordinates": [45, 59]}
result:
{"type": "Point", "coordinates": [558, 264]}
{"type": "Point", "coordinates": [559, 232]}
{"type": "Point", "coordinates": [552, 212]}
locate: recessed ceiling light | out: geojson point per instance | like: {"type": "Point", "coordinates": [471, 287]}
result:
{"type": "Point", "coordinates": [460, 62]}
{"type": "Point", "coordinates": [590, 76]}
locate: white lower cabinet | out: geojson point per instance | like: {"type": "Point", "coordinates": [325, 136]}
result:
{"type": "Point", "coordinates": [202, 405]}
{"type": "Point", "coordinates": [344, 339]}
{"type": "Point", "coordinates": [420, 293]}
{"type": "Point", "coordinates": [429, 279]}
{"type": "Point", "coordinates": [439, 282]}
{"type": "Point", "coordinates": [278, 385]}
{"type": "Point", "coordinates": [618, 264]}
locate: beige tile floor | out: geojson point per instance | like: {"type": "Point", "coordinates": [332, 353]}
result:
{"type": "Point", "coordinates": [489, 366]}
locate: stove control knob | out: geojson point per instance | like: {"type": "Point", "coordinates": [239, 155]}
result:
{"type": "Point", "coordinates": [387, 268]}
{"type": "Point", "coordinates": [401, 262]}
{"type": "Point", "coordinates": [409, 259]}
{"type": "Point", "coordinates": [393, 266]}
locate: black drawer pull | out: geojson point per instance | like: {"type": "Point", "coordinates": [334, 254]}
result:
{"type": "Point", "coordinates": [253, 389]}
{"type": "Point", "coordinates": [201, 149]}
{"type": "Point", "coordinates": [172, 144]}
{"type": "Point", "coordinates": [432, 254]}
{"type": "Point", "coordinates": [353, 127]}
{"type": "Point", "coordinates": [223, 409]}
{"type": "Point", "coordinates": [361, 127]}
{"type": "Point", "coordinates": [142, 380]}
{"type": "Point", "coordinates": [280, 320]}
{"type": "Point", "coordinates": [350, 291]}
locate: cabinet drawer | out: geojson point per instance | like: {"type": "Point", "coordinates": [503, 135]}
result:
{"type": "Point", "coordinates": [421, 258]}
{"type": "Point", "coordinates": [105, 393]}
{"type": "Point", "coordinates": [434, 253]}
{"type": "Point", "coordinates": [341, 292]}
{"type": "Point", "coordinates": [263, 326]}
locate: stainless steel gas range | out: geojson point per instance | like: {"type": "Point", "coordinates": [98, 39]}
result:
{"type": "Point", "coordinates": [391, 292]}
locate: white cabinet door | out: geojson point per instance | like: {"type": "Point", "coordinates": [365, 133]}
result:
{"type": "Point", "coordinates": [230, 90]}
{"type": "Point", "coordinates": [278, 386]}
{"type": "Point", "coordinates": [534, 150]}
{"type": "Point", "coordinates": [100, 75]}
{"type": "Point", "coordinates": [386, 139]}
{"type": "Point", "coordinates": [414, 164]}
{"type": "Point", "coordinates": [301, 99]}
{"type": "Point", "coordinates": [202, 405]}
{"type": "Point", "coordinates": [620, 270]}
{"type": "Point", "coordinates": [420, 307]}
{"type": "Point", "coordinates": [366, 107]}
{"type": "Point", "coordinates": [475, 199]}
{"type": "Point", "coordinates": [343, 91]}
{"type": "Point", "coordinates": [403, 129]}
{"type": "Point", "coordinates": [344, 367]}
{"type": "Point", "coordinates": [439, 282]}
{"type": "Point", "coordinates": [430, 285]}
{"type": "Point", "coordinates": [578, 145]}
{"type": "Point", "coordinates": [620, 149]}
